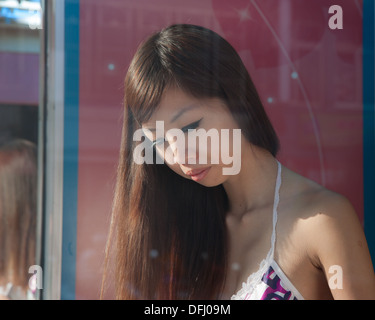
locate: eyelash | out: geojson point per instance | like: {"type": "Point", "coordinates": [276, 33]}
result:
{"type": "Point", "coordinates": [185, 129]}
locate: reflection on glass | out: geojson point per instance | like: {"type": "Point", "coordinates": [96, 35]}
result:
{"type": "Point", "coordinates": [18, 176]}
{"type": "Point", "coordinates": [20, 24]}
{"type": "Point", "coordinates": [23, 13]}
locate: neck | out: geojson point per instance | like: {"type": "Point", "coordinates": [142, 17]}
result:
{"type": "Point", "coordinates": [254, 186]}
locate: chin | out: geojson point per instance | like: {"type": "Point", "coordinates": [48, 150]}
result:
{"type": "Point", "coordinates": [209, 184]}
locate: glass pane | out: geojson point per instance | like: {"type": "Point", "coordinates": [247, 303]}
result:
{"type": "Point", "coordinates": [20, 272]}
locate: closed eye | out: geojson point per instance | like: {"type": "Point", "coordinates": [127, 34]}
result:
{"type": "Point", "coordinates": [185, 129]}
{"type": "Point", "coordinates": [191, 126]}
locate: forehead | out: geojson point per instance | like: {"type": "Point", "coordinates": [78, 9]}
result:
{"type": "Point", "coordinates": [172, 102]}
{"type": "Point", "coordinates": [175, 102]}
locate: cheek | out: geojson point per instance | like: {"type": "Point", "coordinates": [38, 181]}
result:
{"type": "Point", "coordinates": [167, 156]}
{"type": "Point", "coordinates": [209, 149]}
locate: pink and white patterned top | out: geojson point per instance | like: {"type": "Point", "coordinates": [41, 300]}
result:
{"type": "Point", "coordinates": [269, 282]}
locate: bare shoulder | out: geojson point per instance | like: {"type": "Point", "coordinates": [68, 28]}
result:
{"type": "Point", "coordinates": [328, 228]}
{"type": "Point", "coordinates": [316, 210]}
{"type": "Point", "coordinates": [316, 202]}
{"type": "Point", "coordinates": [315, 213]}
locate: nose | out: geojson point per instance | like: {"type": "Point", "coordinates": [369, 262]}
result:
{"type": "Point", "coordinates": [179, 149]}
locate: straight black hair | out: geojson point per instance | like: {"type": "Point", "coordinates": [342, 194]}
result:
{"type": "Point", "coordinates": [169, 233]}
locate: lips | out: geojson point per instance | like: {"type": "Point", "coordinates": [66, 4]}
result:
{"type": "Point", "coordinates": [198, 174]}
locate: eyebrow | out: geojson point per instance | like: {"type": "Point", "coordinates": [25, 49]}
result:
{"type": "Point", "coordinates": [177, 115]}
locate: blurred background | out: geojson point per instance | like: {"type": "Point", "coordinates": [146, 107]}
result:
{"type": "Point", "coordinates": [20, 23]}
{"type": "Point", "coordinates": [62, 65]}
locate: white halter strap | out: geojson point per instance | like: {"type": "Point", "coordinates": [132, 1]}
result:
{"type": "Point", "coordinates": [275, 205]}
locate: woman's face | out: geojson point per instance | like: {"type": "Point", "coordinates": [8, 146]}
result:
{"type": "Point", "coordinates": [188, 152]}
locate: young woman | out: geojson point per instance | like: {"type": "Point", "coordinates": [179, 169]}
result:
{"type": "Point", "coordinates": [185, 230]}
{"type": "Point", "coordinates": [18, 176]}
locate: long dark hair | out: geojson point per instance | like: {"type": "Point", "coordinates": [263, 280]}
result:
{"type": "Point", "coordinates": [169, 233]}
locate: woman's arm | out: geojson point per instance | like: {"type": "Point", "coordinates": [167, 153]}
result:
{"type": "Point", "coordinates": [341, 250]}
